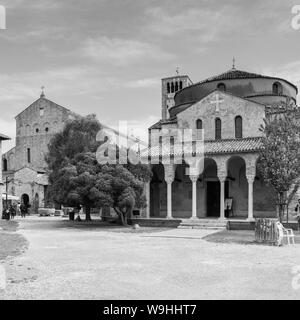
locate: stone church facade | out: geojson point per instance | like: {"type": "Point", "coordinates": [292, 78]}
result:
{"type": "Point", "coordinates": [228, 109]}
{"type": "Point", "coordinates": [24, 167]}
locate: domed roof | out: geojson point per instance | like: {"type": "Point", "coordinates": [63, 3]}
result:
{"type": "Point", "coordinates": [239, 74]}
{"type": "Point", "coordinates": [233, 74]}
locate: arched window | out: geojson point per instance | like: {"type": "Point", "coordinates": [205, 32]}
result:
{"type": "Point", "coordinates": [28, 155]}
{"type": "Point", "coordinates": [172, 87]}
{"type": "Point", "coordinates": [47, 129]}
{"type": "Point", "coordinates": [172, 141]}
{"type": "Point", "coordinates": [180, 85]}
{"type": "Point", "coordinates": [176, 86]}
{"type": "Point", "coordinates": [168, 87]}
{"type": "Point", "coordinates": [37, 130]}
{"type": "Point", "coordinates": [218, 129]}
{"type": "Point", "coordinates": [277, 88]}
{"type": "Point", "coordinates": [42, 111]}
{"type": "Point", "coordinates": [4, 164]}
{"type": "Point", "coordinates": [199, 124]}
{"type": "Point", "coordinates": [199, 127]}
{"type": "Point", "coordinates": [238, 127]}
{"type": "Point", "coordinates": [27, 130]}
{"type": "Point", "coordinates": [221, 87]}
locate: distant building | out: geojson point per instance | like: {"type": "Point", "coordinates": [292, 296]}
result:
{"type": "Point", "coordinates": [24, 165]}
{"type": "Point", "coordinates": [2, 138]}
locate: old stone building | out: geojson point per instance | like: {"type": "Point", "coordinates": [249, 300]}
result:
{"type": "Point", "coordinates": [24, 166]}
{"type": "Point", "coordinates": [228, 110]}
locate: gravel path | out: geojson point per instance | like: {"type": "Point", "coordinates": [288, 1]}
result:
{"type": "Point", "coordinates": [79, 263]}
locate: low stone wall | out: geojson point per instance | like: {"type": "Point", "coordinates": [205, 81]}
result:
{"type": "Point", "coordinates": [43, 212]}
{"type": "Point", "coordinates": [164, 223]}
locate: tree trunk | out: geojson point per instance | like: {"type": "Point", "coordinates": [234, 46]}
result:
{"type": "Point", "coordinates": [282, 203]}
{"type": "Point", "coordinates": [88, 213]}
{"type": "Point", "coordinates": [123, 216]}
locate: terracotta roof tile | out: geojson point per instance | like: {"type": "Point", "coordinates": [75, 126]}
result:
{"type": "Point", "coordinates": [212, 147]}
{"type": "Point", "coordinates": [239, 74]}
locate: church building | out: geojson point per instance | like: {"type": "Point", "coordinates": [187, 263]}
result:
{"type": "Point", "coordinates": [229, 109]}
{"type": "Point", "coordinates": [24, 168]}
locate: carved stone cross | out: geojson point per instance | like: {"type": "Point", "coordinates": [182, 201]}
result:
{"type": "Point", "coordinates": [217, 102]}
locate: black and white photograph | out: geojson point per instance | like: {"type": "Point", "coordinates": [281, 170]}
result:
{"type": "Point", "coordinates": [150, 151]}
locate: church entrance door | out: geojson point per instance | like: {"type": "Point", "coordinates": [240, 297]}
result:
{"type": "Point", "coordinates": [213, 198]}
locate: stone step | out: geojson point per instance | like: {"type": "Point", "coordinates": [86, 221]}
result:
{"type": "Point", "coordinates": [201, 227]}
{"type": "Point", "coordinates": [203, 224]}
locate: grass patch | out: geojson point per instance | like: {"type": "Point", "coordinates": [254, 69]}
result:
{"type": "Point", "coordinates": [11, 243]}
{"type": "Point", "coordinates": [10, 226]}
{"type": "Point", "coordinates": [226, 236]}
{"type": "Point", "coordinates": [239, 237]}
{"type": "Point", "coordinates": [94, 225]}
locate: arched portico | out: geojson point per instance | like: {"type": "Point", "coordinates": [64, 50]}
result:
{"type": "Point", "coordinates": [181, 191]}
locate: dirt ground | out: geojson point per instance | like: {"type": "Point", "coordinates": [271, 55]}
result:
{"type": "Point", "coordinates": [66, 261]}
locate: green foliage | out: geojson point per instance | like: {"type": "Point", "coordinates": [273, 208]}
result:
{"type": "Point", "coordinates": [280, 158]}
{"type": "Point", "coordinates": [76, 178]}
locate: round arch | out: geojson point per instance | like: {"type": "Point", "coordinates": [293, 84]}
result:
{"type": "Point", "coordinates": [25, 200]}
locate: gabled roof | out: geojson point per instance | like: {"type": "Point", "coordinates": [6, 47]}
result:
{"type": "Point", "coordinates": [158, 124]}
{"type": "Point", "coordinates": [221, 92]}
{"type": "Point", "coordinates": [44, 99]}
{"type": "Point", "coordinates": [4, 137]}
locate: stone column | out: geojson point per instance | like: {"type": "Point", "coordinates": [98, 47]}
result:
{"type": "Point", "coordinates": [251, 161]}
{"type": "Point", "coordinates": [147, 194]}
{"type": "Point", "coordinates": [169, 206]}
{"type": "Point", "coordinates": [169, 178]}
{"type": "Point", "coordinates": [194, 206]}
{"type": "Point", "coordinates": [222, 196]}
{"type": "Point", "coordinates": [250, 179]}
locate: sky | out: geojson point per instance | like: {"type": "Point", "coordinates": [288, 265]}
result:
{"type": "Point", "coordinates": [108, 56]}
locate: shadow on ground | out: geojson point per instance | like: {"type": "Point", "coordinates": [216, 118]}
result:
{"type": "Point", "coordinates": [239, 237]}
{"type": "Point", "coordinates": [94, 225]}
{"type": "Point", "coordinates": [12, 243]}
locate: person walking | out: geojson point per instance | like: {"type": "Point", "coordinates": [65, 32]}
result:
{"type": "Point", "coordinates": [12, 211]}
{"type": "Point", "coordinates": [23, 210]}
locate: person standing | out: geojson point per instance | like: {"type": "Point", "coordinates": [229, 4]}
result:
{"type": "Point", "coordinates": [12, 211]}
{"type": "Point", "coordinates": [23, 210]}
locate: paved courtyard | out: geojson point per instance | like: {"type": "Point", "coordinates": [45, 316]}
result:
{"type": "Point", "coordinates": [64, 262]}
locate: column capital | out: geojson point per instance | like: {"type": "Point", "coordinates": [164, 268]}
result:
{"type": "Point", "coordinates": [169, 179]}
{"type": "Point", "coordinates": [169, 173]}
{"type": "Point", "coordinates": [250, 178]}
{"type": "Point", "coordinates": [222, 177]}
{"type": "Point", "coordinates": [194, 178]}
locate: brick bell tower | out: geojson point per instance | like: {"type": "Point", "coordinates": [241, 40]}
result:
{"type": "Point", "coordinates": [169, 87]}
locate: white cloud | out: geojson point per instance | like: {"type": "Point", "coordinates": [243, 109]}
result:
{"type": "Point", "coordinates": [289, 71]}
{"type": "Point", "coordinates": [143, 83]}
{"type": "Point", "coordinates": [79, 80]}
{"type": "Point", "coordinates": [123, 51]}
{"type": "Point", "coordinates": [9, 129]}
{"type": "Point", "coordinates": [202, 23]}
{"type": "Point", "coordinates": [137, 128]}
{"type": "Point", "coordinates": [32, 4]}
